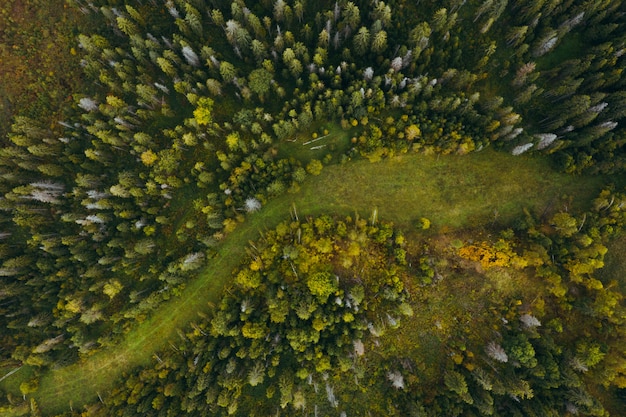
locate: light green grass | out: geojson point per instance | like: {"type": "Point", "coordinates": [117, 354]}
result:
{"type": "Point", "coordinates": [452, 191]}
{"type": "Point", "coordinates": [304, 147]}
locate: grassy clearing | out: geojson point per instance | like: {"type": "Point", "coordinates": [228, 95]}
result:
{"type": "Point", "coordinates": [451, 191]}
{"type": "Point", "coordinates": [329, 139]}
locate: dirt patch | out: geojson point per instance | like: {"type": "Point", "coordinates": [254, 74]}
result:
{"type": "Point", "coordinates": [615, 262]}
{"type": "Point", "coordinates": [38, 71]}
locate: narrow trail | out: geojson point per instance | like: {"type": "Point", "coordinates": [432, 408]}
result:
{"type": "Point", "coordinates": [451, 191]}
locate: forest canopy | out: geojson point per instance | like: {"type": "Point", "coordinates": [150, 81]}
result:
{"type": "Point", "coordinates": [188, 117]}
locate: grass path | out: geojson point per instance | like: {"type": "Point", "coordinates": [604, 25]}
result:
{"type": "Point", "coordinates": [451, 191]}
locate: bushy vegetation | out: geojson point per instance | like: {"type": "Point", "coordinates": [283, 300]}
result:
{"type": "Point", "coordinates": [550, 343]}
{"type": "Point", "coordinates": [183, 132]}
{"type": "Point", "coordinates": [534, 333]}
{"type": "Point", "coordinates": [298, 314]}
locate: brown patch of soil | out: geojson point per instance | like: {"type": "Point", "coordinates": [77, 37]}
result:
{"type": "Point", "coordinates": [38, 72]}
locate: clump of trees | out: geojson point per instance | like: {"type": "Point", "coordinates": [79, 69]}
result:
{"type": "Point", "coordinates": [559, 352]}
{"type": "Point", "coordinates": [308, 315]}
{"type": "Point", "coordinates": [572, 104]}
{"type": "Point", "coordinates": [302, 310]}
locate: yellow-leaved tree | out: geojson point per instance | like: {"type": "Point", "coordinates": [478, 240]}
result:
{"type": "Point", "coordinates": [203, 114]}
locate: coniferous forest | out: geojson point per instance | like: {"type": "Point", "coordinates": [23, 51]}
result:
{"type": "Point", "coordinates": [316, 208]}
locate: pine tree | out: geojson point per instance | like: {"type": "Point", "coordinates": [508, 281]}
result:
{"type": "Point", "coordinates": [361, 41]}
{"type": "Point", "coordinates": [379, 42]}
{"type": "Point", "coordinates": [193, 18]}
